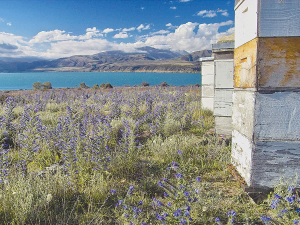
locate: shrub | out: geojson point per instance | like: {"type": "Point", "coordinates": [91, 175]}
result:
{"type": "Point", "coordinates": [164, 84]}
{"type": "Point", "coordinates": [107, 85]}
{"type": "Point", "coordinates": [96, 86]}
{"type": "Point", "coordinates": [145, 84]}
{"type": "Point", "coordinates": [37, 85]}
{"type": "Point", "coordinates": [47, 85]}
{"type": "Point", "coordinates": [83, 85]}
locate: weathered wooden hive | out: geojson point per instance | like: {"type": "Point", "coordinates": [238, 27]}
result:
{"type": "Point", "coordinates": [266, 96]}
{"type": "Point", "coordinates": [207, 83]}
{"type": "Point", "coordinates": [223, 84]}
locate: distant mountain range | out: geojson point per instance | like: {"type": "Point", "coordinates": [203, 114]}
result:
{"type": "Point", "coordinates": [147, 59]}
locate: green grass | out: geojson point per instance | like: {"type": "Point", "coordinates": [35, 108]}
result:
{"type": "Point", "coordinates": [112, 139]}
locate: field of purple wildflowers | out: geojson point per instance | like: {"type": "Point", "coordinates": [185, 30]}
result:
{"type": "Point", "coordinates": [119, 156]}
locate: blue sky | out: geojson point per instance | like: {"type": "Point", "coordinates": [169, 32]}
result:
{"type": "Point", "coordinates": [61, 28]}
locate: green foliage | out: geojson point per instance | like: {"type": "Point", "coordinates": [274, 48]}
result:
{"type": "Point", "coordinates": [106, 85]}
{"type": "Point", "coordinates": [47, 85]}
{"type": "Point", "coordinates": [83, 85]}
{"type": "Point", "coordinates": [37, 85]}
{"type": "Point", "coordinates": [96, 86]}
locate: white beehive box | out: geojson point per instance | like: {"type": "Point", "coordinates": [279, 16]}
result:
{"type": "Point", "coordinates": [266, 18]}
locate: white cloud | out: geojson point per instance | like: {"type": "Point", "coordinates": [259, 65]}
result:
{"type": "Point", "coordinates": [223, 12]}
{"type": "Point", "coordinates": [212, 13]}
{"type": "Point", "coordinates": [61, 35]}
{"type": "Point", "coordinates": [142, 27]}
{"type": "Point", "coordinates": [1, 20]}
{"type": "Point", "coordinates": [107, 30]}
{"type": "Point", "coordinates": [189, 37]}
{"type": "Point", "coordinates": [170, 26]}
{"type": "Point", "coordinates": [56, 44]}
{"type": "Point", "coordinates": [185, 0]}
{"type": "Point", "coordinates": [173, 7]}
{"type": "Point", "coordinates": [121, 35]}
{"type": "Point", "coordinates": [160, 32]}
{"type": "Point", "coordinates": [142, 8]}
{"type": "Point", "coordinates": [90, 33]}
{"type": "Point", "coordinates": [205, 13]}
{"type": "Point", "coordinates": [53, 35]}
{"type": "Point", "coordinates": [128, 29]}
{"type": "Point", "coordinates": [8, 24]}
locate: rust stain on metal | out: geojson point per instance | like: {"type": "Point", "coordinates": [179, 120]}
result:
{"type": "Point", "coordinates": [279, 62]}
{"type": "Point", "coordinates": [245, 65]}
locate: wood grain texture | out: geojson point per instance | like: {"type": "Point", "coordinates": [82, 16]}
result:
{"type": "Point", "coordinates": [243, 112]}
{"type": "Point", "coordinates": [207, 103]}
{"type": "Point", "coordinates": [224, 73]}
{"type": "Point", "coordinates": [241, 155]}
{"type": "Point", "coordinates": [207, 91]}
{"type": "Point", "coordinates": [245, 65]}
{"type": "Point", "coordinates": [246, 22]}
{"type": "Point", "coordinates": [208, 80]}
{"type": "Point", "coordinates": [223, 102]}
{"type": "Point", "coordinates": [279, 18]}
{"type": "Point", "coordinates": [273, 161]}
{"type": "Point", "coordinates": [207, 68]}
{"type": "Point", "coordinates": [279, 62]}
{"type": "Point", "coordinates": [277, 117]}
{"type": "Point", "coordinates": [223, 125]}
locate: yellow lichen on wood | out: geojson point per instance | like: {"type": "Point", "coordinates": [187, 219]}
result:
{"type": "Point", "coordinates": [279, 62]}
{"type": "Point", "coordinates": [245, 65]}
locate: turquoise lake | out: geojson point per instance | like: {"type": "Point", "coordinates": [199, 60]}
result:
{"type": "Point", "coordinates": [17, 81]}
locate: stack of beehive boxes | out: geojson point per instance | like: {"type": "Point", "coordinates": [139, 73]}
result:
{"type": "Point", "coordinates": [266, 96]}
{"type": "Point", "coordinates": [223, 84]}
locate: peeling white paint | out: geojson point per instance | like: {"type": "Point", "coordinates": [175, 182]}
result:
{"type": "Point", "coordinates": [278, 116]}
{"type": "Point", "coordinates": [241, 155]}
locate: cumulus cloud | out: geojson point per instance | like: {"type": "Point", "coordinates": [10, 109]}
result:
{"type": "Point", "coordinates": [173, 7]}
{"type": "Point", "coordinates": [56, 44]}
{"type": "Point", "coordinates": [190, 37]}
{"type": "Point", "coordinates": [107, 30]}
{"type": "Point", "coordinates": [212, 13]}
{"type": "Point", "coordinates": [53, 35]}
{"type": "Point", "coordinates": [142, 27]}
{"type": "Point", "coordinates": [121, 35]}
{"type": "Point", "coordinates": [8, 24]}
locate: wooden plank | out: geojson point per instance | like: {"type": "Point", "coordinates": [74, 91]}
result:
{"type": "Point", "coordinates": [224, 73]}
{"type": "Point", "coordinates": [277, 116]}
{"type": "Point", "coordinates": [224, 55]}
{"type": "Point", "coordinates": [207, 103]}
{"type": "Point", "coordinates": [223, 125]}
{"type": "Point", "coordinates": [223, 102]}
{"type": "Point", "coordinates": [275, 160]}
{"type": "Point", "coordinates": [207, 68]}
{"type": "Point", "coordinates": [246, 22]}
{"type": "Point", "coordinates": [207, 91]}
{"type": "Point", "coordinates": [279, 18]}
{"type": "Point", "coordinates": [241, 155]}
{"type": "Point", "coordinates": [208, 80]}
{"type": "Point", "coordinates": [279, 60]}
{"type": "Point", "coordinates": [243, 112]}
{"type": "Point", "coordinates": [245, 65]}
